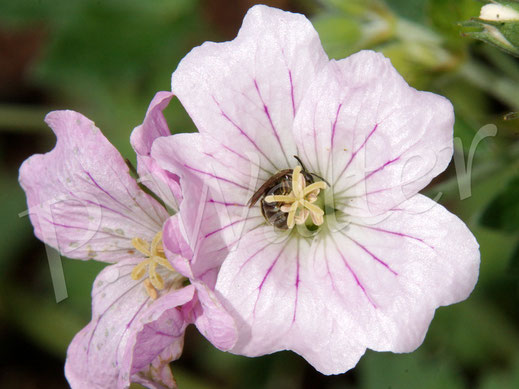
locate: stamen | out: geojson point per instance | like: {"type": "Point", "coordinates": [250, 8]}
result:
{"type": "Point", "coordinates": [152, 292]}
{"type": "Point", "coordinates": [317, 219]}
{"type": "Point", "coordinates": [141, 245]}
{"type": "Point", "coordinates": [139, 270]}
{"type": "Point", "coordinates": [312, 208]}
{"type": "Point", "coordinates": [296, 181]}
{"type": "Point", "coordinates": [154, 254]}
{"type": "Point", "coordinates": [155, 278]}
{"type": "Point", "coordinates": [315, 186]}
{"type": "Point", "coordinates": [302, 216]}
{"type": "Point", "coordinates": [155, 242]}
{"type": "Point", "coordinates": [312, 197]}
{"type": "Point", "coordinates": [292, 214]}
{"type": "Point", "coordinates": [163, 262]}
{"type": "Point", "coordinates": [280, 199]}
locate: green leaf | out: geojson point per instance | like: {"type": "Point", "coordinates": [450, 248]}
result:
{"type": "Point", "coordinates": [496, 250]}
{"type": "Point", "coordinates": [348, 26]}
{"type": "Point", "coordinates": [514, 261]}
{"type": "Point", "coordinates": [444, 15]}
{"type": "Point", "coordinates": [474, 332]}
{"type": "Point", "coordinates": [48, 324]}
{"type": "Point", "coordinates": [415, 370]}
{"type": "Point", "coordinates": [503, 212]}
{"type": "Point", "coordinates": [412, 10]}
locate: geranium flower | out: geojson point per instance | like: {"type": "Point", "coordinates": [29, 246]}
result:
{"type": "Point", "coordinates": [334, 251]}
{"type": "Point", "coordinates": [83, 201]}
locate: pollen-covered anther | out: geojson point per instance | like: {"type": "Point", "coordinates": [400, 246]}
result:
{"type": "Point", "coordinates": [299, 203]}
{"type": "Point", "coordinates": [154, 253]}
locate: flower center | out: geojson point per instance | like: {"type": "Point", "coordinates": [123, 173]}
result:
{"type": "Point", "coordinates": [154, 253]}
{"type": "Point", "coordinates": [299, 203]}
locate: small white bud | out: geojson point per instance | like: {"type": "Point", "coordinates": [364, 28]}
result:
{"type": "Point", "coordinates": [498, 12]}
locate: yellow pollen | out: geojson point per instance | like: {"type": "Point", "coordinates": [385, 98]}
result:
{"type": "Point", "coordinates": [299, 203]}
{"type": "Point", "coordinates": [154, 253]}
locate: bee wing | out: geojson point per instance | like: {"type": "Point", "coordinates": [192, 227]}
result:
{"type": "Point", "coordinates": [266, 186]}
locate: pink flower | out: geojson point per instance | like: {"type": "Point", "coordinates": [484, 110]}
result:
{"type": "Point", "coordinates": [342, 256]}
{"type": "Point", "coordinates": [83, 201]}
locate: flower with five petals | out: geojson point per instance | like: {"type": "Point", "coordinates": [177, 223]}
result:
{"type": "Point", "coordinates": [359, 259]}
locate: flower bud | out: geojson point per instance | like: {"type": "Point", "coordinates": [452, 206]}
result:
{"type": "Point", "coordinates": [498, 25]}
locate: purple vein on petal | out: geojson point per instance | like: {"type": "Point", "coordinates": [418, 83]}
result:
{"type": "Point", "coordinates": [332, 138]}
{"type": "Point", "coordinates": [100, 289]}
{"type": "Point", "coordinates": [367, 177]}
{"type": "Point", "coordinates": [308, 161]}
{"type": "Point", "coordinates": [105, 191]}
{"type": "Point", "coordinates": [162, 333]}
{"type": "Point", "coordinates": [85, 229]}
{"type": "Point", "coordinates": [226, 166]}
{"type": "Point", "coordinates": [230, 225]}
{"type": "Point", "coordinates": [354, 154]}
{"type": "Point", "coordinates": [296, 283]}
{"type": "Point", "coordinates": [138, 203]}
{"type": "Point", "coordinates": [216, 177]}
{"type": "Point", "coordinates": [226, 117]}
{"type": "Point", "coordinates": [292, 93]}
{"type": "Point", "coordinates": [352, 272]}
{"type": "Point", "coordinates": [128, 325]}
{"type": "Point", "coordinates": [400, 234]}
{"type": "Point", "coordinates": [111, 209]}
{"type": "Point", "coordinates": [318, 165]}
{"type": "Point", "coordinates": [267, 274]}
{"type": "Point", "coordinates": [230, 246]}
{"type": "Point", "coordinates": [252, 256]}
{"type": "Point", "coordinates": [121, 214]}
{"type": "Point", "coordinates": [247, 159]}
{"type": "Point", "coordinates": [213, 201]}
{"type": "Point", "coordinates": [328, 272]}
{"type": "Point", "coordinates": [266, 110]}
{"type": "Point", "coordinates": [334, 126]}
{"type": "Point", "coordinates": [378, 191]}
{"type": "Point", "coordinates": [100, 316]}
{"type": "Point", "coordinates": [370, 254]}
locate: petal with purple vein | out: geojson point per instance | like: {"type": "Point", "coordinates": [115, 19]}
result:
{"type": "Point", "coordinates": [81, 197]}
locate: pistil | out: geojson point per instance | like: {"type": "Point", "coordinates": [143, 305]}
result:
{"type": "Point", "coordinates": [299, 203]}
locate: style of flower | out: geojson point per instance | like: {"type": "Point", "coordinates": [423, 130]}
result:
{"type": "Point", "coordinates": [284, 134]}
{"type": "Point", "coordinates": [83, 202]}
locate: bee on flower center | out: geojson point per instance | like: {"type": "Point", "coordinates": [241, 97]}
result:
{"type": "Point", "coordinates": [286, 198]}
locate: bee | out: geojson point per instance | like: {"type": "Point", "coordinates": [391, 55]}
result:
{"type": "Point", "coordinates": [279, 184]}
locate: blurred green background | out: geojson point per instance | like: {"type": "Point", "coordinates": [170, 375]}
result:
{"type": "Point", "coordinates": [107, 58]}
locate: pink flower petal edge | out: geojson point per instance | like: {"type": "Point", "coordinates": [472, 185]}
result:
{"type": "Point", "coordinates": [81, 197]}
{"type": "Point", "coordinates": [84, 202]}
{"type": "Point", "coordinates": [154, 126]}
{"type": "Point", "coordinates": [129, 334]}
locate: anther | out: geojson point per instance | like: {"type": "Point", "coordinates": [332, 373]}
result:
{"type": "Point", "coordinates": [154, 254]}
